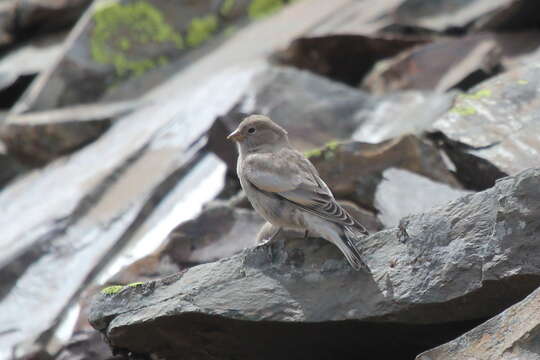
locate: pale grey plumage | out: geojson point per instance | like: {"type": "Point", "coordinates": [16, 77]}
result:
{"type": "Point", "coordinates": [285, 188]}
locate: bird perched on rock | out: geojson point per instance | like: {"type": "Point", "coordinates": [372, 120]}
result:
{"type": "Point", "coordinates": [286, 189]}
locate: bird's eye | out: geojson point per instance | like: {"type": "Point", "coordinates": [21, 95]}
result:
{"type": "Point", "coordinates": [251, 130]}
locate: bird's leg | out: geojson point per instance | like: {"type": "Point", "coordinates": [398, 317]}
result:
{"type": "Point", "coordinates": [274, 235]}
{"type": "Point", "coordinates": [306, 234]}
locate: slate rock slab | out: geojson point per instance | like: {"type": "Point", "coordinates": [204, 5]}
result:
{"type": "Point", "coordinates": [219, 231]}
{"type": "Point", "coordinates": [354, 169]}
{"type": "Point", "coordinates": [403, 193]}
{"type": "Point", "coordinates": [513, 334]}
{"type": "Point", "coordinates": [344, 58]}
{"type": "Point", "coordinates": [497, 123]}
{"type": "Point", "coordinates": [466, 260]}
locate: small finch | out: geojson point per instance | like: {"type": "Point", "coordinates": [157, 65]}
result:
{"type": "Point", "coordinates": [286, 189]}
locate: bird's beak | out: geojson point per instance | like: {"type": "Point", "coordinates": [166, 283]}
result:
{"type": "Point", "coordinates": [236, 135]}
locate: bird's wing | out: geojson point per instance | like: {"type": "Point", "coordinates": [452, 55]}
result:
{"type": "Point", "coordinates": [290, 175]}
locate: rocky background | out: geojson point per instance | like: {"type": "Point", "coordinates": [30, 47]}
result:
{"type": "Point", "coordinates": [123, 230]}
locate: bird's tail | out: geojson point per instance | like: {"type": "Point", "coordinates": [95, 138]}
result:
{"type": "Point", "coordinates": [347, 245]}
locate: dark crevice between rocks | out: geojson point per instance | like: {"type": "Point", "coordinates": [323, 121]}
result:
{"type": "Point", "coordinates": [226, 149]}
{"type": "Point", "coordinates": [489, 300]}
{"type": "Point", "coordinates": [344, 58]}
{"type": "Point", "coordinates": [473, 172]}
{"type": "Point", "coordinates": [477, 77]}
{"type": "Point", "coordinates": [36, 22]}
{"type": "Point", "coordinates": [198, 336]}
{"type": "Point", "coordinates": [12, 93]}
{"type": "Point", "coordinates": [80, 135]}
{"type": "Point", "coordinates": [518, 15]}
{"type": "Point", "coordinates": [414, 30]}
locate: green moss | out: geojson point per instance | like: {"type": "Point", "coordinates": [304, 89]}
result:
{"type": "Point", "coordinates": [226, 7]}
{"type": "Point", "coordinates": [313, 153]}
{"type": "Point", "coordinates": [111, 290]}
{"type": "Point", "coordinates": [135, 284]}
{"type": "Point", "coordinates": [123, 34]}
{"type": "Point", "coordinates": [201, 29]}
{"type": "Point", "coordinates": [327, 152]}
{"type": "Point", "coordinates": [332, 145]}
{"type": "Point", "coordinates": [261, 8]}
{"type": "Point", "coordinates": [463, 110]}
{"type": "Point", "coordinates": [480, 94]}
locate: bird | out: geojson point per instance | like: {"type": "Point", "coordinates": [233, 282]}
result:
{"type": "Point", "coordinates": [286, 189]}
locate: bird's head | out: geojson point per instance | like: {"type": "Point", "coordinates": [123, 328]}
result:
{"type": "Point", "coordinates": [258, 132]}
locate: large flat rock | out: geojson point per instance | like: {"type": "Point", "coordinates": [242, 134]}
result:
{"type": "Point", "coordinates": [466, 260]}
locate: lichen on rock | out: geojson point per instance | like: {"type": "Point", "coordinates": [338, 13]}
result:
{"type": "Point", "coordinates": [124, 33]}
{"type": "Point", "coordinates": [463, 110]}
{"type": "Point", "coordinates": [111, 290]}
{"type": "Point", "coordinates": [261, 8]}
{"type": "Point", "coordinates": [327, 151]}
{"type": "Point", "coordinates": [201, 29]}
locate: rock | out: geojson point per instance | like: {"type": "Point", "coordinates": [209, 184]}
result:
{"type": "Point", "coordinates": [442, 65]}
{"type": "Point", "coordinates": [219, 145]}
{"type": "Point", "coordinates": [218, 232]}
{"type": "Point", "coordinates": [7, 11]}
{"type": "Point", "coordinates": [353, 170]}
{"type": "Point", "coordinates": [402, 113]}
{"type": "Point", "coordinates": [445, 15]}
{"type": "Point", "coordinates": [353, 17]}
{"type": "Point", "coordinates": [492, 130]}
{"type": "Point", "coordinates": [28, 60]}
{"type": "Point", "coordinates": [513, 15]}
{"type": "Point", "coordinates": [24, 19]}
{"type": "Point", "coordinates": [86, 345]}
{"type": "Point", "coordinates": [513, 334]}
{"type": "Point", "coordinates": [520, 48]}
{"type": "Point", "coordinates": [36, 15]}
{"type": "Point", "coordinates": [403, 193]}
{"type": "Point", "coordinates": [321, 108]}
{"type": "Point", "coordinates": [20, 19]}
{"type": "Point", "coordinates": [344, 58]}
{"type": "Point", "coordinates": [9, 167]}
{"type": "Point", "coordinates": [40, 137]}
{"type": "Point", "coordinates": [469, 259]}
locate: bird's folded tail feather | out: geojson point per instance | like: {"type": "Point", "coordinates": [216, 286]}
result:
{"type": "Point", "coordinates": [348, 247]}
